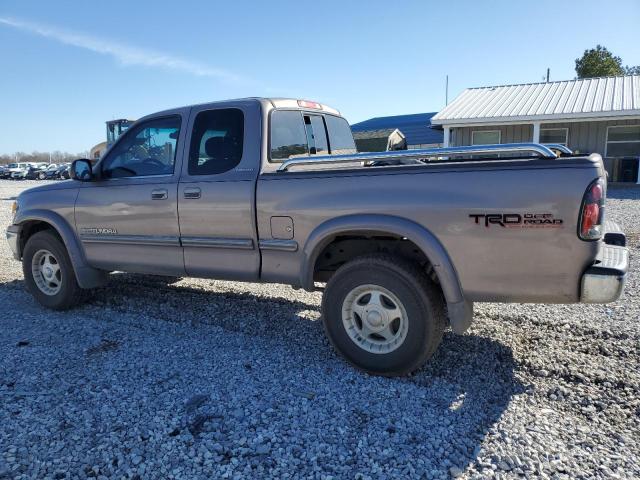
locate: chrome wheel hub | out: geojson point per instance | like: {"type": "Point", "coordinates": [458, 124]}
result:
{"type": "Point", "coordinates": [46, 272]}
{"type": "Point", "coordinates": [375, 319]}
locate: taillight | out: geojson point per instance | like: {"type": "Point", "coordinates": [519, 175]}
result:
{"type": "Point", "coordinates": [592, 211]}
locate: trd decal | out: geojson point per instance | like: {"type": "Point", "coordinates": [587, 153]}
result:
{"type": "Point", "coordinates": [517, 220]}
{"type": "Point", "coordinates": [98, 231]}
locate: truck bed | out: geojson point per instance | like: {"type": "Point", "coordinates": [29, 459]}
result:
{"type": "Point", "coordinates": [512, 263]}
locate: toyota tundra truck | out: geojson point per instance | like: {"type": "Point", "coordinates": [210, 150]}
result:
{"type": "Point", "coordinates": [272, 190]}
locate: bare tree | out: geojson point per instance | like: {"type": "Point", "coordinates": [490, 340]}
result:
{"type": "Point", "coordinates": [55, 157]}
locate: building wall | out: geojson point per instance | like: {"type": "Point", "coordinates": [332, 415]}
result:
{"type": "Point", "coordinates": [589, 137]}
{"type": "Point", "coordinates": [508, 134]}
{"type": "Point", "coordinates": [372, 144]}
{"type": "Point", "coordinates": [583, 137]}
{"type": "Point", "coordinates": [423, 145]}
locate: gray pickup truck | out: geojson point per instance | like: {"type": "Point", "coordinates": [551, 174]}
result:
{"type": "Point", "coordinates": [272, 190]}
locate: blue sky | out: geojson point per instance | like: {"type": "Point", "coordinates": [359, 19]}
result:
{"type": "Point", "coordinates": [67, 67]}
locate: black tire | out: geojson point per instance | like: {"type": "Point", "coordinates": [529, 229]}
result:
{"type": "Point", "coordinates": [42, 176]}
{"type": "Point", "coordinates": [70, 293]}
{"type": "Point", "coordinates": [422, 302]}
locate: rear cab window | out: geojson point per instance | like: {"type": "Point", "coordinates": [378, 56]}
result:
{"type": "Point", "coordinates": [340, 135]}
{"type": "Point", "coordinates": [297, 133]}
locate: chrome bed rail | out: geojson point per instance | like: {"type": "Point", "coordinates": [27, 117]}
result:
{"type": "Point", "coordinates": [543, 151]}
{"type": "Point", "coordinates": [560, 147]}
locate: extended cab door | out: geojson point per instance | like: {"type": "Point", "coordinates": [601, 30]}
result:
{"type": "Point", "coordinates": [128, 218]}
{"type": "Point", "coordinates": [216, 194]}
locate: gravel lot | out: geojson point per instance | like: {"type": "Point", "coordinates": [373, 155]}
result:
{"type": "Point", "coordinates": [208, 379]}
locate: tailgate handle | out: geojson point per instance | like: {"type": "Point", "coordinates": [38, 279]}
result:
{"type": "Point", "coordinates": [192, 193]}
{"type": "Point", "coordinates": [160, 194]}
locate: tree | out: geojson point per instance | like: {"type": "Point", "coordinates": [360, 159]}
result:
{"type": "Point", "coordinates": [632, 70]}
{"type": "Point", "coordinates": [56, 157]}
{"type": "Point", "coordinates": [598, 62]}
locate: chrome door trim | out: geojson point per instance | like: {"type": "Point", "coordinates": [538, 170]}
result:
{"type": "Point", "coordinates": [280, 245]}
{"type": "Point", "coordinates": [136, 177]}
{"type": "Point", "coordinates": [239, 243]}
{"type": "Point", "coordinates": [132, 240]}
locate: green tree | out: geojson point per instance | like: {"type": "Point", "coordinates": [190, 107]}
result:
{"type": "Point", "coordinates": [598, 62]}
{"type": "Point", "coordinates": [632, 70]}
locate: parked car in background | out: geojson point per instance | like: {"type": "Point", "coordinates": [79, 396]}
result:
{"type": "Point", "coordinates": [63, 172]}
{"type": "Point", "coordinates": [16, 168]}
{"type": "Point", "coordinates": [48, 172]}
{"type": "Point", "coordinates": [20, 173]}
{"type": "Point", "coordinates": [34, 170]}
{"type": "Point", "coordinates": [4, 171]}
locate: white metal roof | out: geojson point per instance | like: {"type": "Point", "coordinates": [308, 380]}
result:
{"type": "Point", "coordinates": [569, 99]}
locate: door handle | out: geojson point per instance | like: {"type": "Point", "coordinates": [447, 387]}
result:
{"type": "Point", "coordinates": [191, 193]}
{"type": "Point", "coordinates": [160, 194]}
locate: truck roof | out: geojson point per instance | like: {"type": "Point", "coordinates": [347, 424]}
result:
{"type": "Point", "coordinates": [301, 103]}
{"type": "Point", "coordinates": [274, 102]}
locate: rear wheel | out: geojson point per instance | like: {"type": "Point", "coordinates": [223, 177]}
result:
{"type": "Point", "coordinates": [48, 272]}
{"type": "Point", "coordinates": [383, 315]}
{"type": "Point", "coordinates": [42, 176]}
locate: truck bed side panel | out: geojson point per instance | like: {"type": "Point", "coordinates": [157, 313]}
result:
{"type": "Point", "coordinates": [512, 263]}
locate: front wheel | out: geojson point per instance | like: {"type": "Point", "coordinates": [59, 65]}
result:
{"type": "Point", "coordinates": [48, 272]}
{"type": "Point", "coordinates": [42, 176]}
{"type": "Point", "coordinates": [383, 315]}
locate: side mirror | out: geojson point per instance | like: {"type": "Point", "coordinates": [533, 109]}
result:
{"type": "Point", "coordinates": [81, 170]}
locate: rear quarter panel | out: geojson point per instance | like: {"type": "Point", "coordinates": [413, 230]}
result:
{"type": "Point", "coordinates": [493, 263]}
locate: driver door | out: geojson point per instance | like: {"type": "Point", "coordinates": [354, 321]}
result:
{"type": "Point", "coordinates": [127, 219]}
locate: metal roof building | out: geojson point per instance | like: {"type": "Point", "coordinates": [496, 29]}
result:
{"type": "Point", "coordinates": [575, 99]}
{"type": "Point", "coordinates": [415, 127]}
{"type": "Point", "coordinates": [588, 115]}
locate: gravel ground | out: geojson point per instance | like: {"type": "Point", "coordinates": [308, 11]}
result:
{"type": "Point", "coordinates": [208, 379]}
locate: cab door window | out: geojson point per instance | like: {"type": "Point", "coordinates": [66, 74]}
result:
{"type": "Point", "coordinates": [216, 141]}
{"type": "Point", "coordinates": [146, 150]}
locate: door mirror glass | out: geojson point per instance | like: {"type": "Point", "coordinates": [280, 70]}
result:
{"type": "Point", "coordinates": [81, 170]}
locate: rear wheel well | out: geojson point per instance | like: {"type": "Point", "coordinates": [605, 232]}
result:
{"type": "Point", "coordinates": [33, 227]}
{"type": "Point", "coordinates": [344, 248]}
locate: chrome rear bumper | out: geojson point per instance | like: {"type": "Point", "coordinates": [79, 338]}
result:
{"type": "Point", "coordinates": [603, 282]}
{"type": "Point", "coordinates": [613, 234]}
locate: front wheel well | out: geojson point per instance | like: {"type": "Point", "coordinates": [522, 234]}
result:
{"type": "Point", "coordinates": [344, 248]}
{"type": "Point", "coordinates": [32, 227]}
